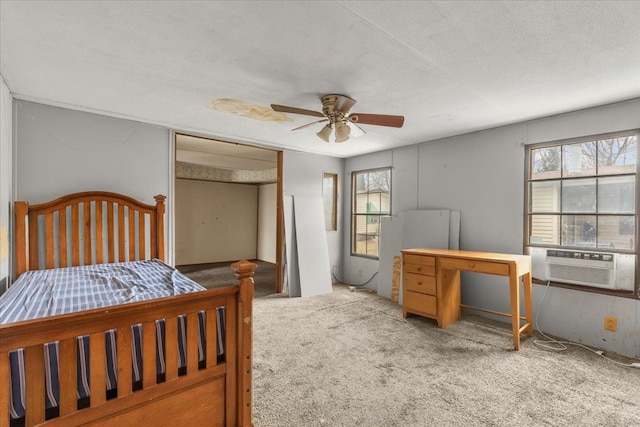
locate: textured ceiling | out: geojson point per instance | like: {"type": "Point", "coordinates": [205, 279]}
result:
{"type": "Point", "coordinates": [448, 67]}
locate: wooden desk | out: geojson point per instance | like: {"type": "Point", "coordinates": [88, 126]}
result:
{"type": "Point", "coordinates": [431, 284]}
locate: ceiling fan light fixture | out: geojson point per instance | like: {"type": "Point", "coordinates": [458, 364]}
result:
{"type": "Point", "coordinates": [325, 133]}
{"type": "Point", "coordinates": [342, 132]}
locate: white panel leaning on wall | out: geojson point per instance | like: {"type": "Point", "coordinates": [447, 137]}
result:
{"type": "Point", "coordinates": [414, 229]}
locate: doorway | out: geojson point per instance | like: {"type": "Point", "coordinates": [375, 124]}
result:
{"type": "Point", "coordinates": [227, 208]}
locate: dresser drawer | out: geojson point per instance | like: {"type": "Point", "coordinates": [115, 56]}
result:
{"type": "Point", "coordinates": [477, 266]}
{"type": "Point", "coordinates": [419, 283]}
{"type": "Point", "coordinates": [419, 264]}
{"type": "Point", "coordinates": [420, 303]}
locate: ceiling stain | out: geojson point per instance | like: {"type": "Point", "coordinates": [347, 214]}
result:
{"type": "Point", "coordinates": [244, 109]}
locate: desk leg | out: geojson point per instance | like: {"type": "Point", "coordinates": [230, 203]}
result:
{"type": "Point", "coordinates": [514, 291]}
{"type": "Point", "coordinates": [526, 285]}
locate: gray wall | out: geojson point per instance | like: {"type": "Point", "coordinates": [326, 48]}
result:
{"type": "Point", "coordinates": [6, 183]}
{"type": "Point", "coordinates": [267, 221]}
{"type": "Point", "coordinates": [302, 176]}
{"type": "Point", "coordinates": [61, 151]}
{"type": "Point", "coordinates": [481, 174]}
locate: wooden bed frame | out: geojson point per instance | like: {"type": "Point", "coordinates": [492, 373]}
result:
{"type": "Point", "coordinates": [214, 395]}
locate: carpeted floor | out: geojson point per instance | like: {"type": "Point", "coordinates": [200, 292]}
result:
{"type": "Point", "coordinates": [350, 359]}
{"type": "Point", "coordinates": [215, 275]}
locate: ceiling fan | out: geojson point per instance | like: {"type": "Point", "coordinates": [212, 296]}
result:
{"type": "Point", "coordinates": [336, 111]}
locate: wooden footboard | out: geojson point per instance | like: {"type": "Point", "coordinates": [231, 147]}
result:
{"type": "Point", "coordinates": [216, 394]}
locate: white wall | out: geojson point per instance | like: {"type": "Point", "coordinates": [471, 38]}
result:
{"type": "Point", "coordinates": [267, 204]}
{"type": "Point", "coordinates": [481, 174]}
{"type": "Point", "coordinates": [215, 221]}
{"type": "Point", "coordinates": [6, 184]}
{"type": "Point", "coordinates": [302, 176]}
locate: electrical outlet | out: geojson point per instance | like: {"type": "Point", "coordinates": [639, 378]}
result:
{"type": "Point", "coordinates": [610, 323]}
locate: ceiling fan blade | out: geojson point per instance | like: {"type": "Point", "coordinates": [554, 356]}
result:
{"type": "Point", "coordinates": [294, 110]}
{"type": "Point", "coordinates": [377, 119]}
{"type": "Point", "coordinates": [310, 124]}
{"type": "Point", "coordinates": [343, 104]}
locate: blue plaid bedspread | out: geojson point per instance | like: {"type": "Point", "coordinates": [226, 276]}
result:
{"type": "Point", "coordinates": [42, 293]}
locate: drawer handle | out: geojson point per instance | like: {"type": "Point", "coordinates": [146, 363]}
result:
{"type": "Point", "coordinates": [472, 265]}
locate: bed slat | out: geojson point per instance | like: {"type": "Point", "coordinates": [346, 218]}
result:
{"type": "Point", "coordinates": [149, 354]}
{"type": "Point", "coordinates": [110, 231]}
{"type": "Point", "coordinates": [67, 376]}
{"type": "Point", "coordinates": [75, 235]}
{"type": "Point", "coordinates": [87, 233]}
{"type": "Point", "coordinates": [132, 235]}
{"type": "Point", "coordinates": [141, 236]}
{"type": "Point", "coordinates": [48, 218]}
{"type": "Point", "coordinates": [62, 236]}
{"type": "Point", "coordinates": [125, 386]}
{"type": "Point", "coordinates": [211, 331]}
{"type": "Point", "coordinates": [171, 348]}
{"type": "Point", "coordinates": [99, 250]}
{"type": "Point", "coordinates": [97, 357]}
{"type": "Point", "coordinates": [34, 384]}
{"type": "Point", "coordinates": [121, 256]}
{"type": "Point", "coordinates": [192, 343]}
{"type": "Point", "coordinates": [154, 243]}
{"type": "Point", "coordinates": [33, 241]}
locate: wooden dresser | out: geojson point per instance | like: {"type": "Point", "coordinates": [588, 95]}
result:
{"type": "Point", "coordinates": [421, 294]}
{"type": "Point", "coordinates": [431, 284]}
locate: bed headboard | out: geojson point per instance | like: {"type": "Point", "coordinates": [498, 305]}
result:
{"type": "Point", "coordinates": [117, 228]}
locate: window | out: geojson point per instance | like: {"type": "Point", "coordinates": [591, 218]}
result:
{"type": "Point", "coordinates": [370, 200]}
{"type": "Point", "coordinates": [330, 201]}
{"type": "Point", "coordinates": [582, 194]}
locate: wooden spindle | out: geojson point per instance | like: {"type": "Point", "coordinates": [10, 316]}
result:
{"type": "Point", "coordinates": [62, 237]}
{"type": "Point", "coordinates": [75, 235]}
{"type": "Point", "coordinates": [160, 224]}
{"type": "Point", "coordinates": [67, 376]}
{"type": "Point", "coordinates": [98, 363]}
{"type": "Point", "coordinates": [5, 390]}
{"type": "Point", "coordinates": [125, 383]}
{"type": "Point", "coordinates": [33, 242]}
{"type": "Point", "coordinates": [22, 257]}
{"type": "Point", "coordinates": [132, 234]}
{"type": "Point", "coordinates": [34, 384]}
{"type": "Point", "coordinates": [211, 331]}
{"type": "Point", "coordinates": [141, 236]}
{"type": "Point", "coordinates": [148, 354]}
{"type": "Point", "coordinates": [110, 232]}
{"type": "Point", "coordinates": [86, 234]}
{"type": "Point", "coordinates": [121, 256]}
{"type": "Point", "coordinates": [192, 343]}
{"type": "Point", "coordinates": [99, 239]}
{"type": "Point", "coordinates": [171, 348]}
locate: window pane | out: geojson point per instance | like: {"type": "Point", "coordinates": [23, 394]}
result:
{"type": "Point", "coordinates": [617, 155]}
{"type": "Point", "coordinates": [373, 227]}
{"type": "Point", "coordinates": [579, 230]}
{"type": "Point", "coordinates": [361, 203]}
{"type": "Point", "coordinates": [617, 194]}
{"type": "Point", "coordinates": [616, 232]}
{"type": "Point", "coordinates": [545, 230]}
{"type": "Point", "coordinates": [545, 196]}
{"type": "Point", "coordinates": [545, 163]}
{"type": "Point", "coordinates": [579, 195]}
{"type": "Point", "coordinates": [360, 234]}
{"type": "Point", "coordinates": [579, 159]}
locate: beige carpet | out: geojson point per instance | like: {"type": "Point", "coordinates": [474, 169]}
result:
{"type": "Point", "coordinates": [349, 359]}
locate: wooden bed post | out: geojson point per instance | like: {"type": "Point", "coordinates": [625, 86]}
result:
{"type": "Point", "coordinates": [160, 224]}
{"type": "Point", "coordinates": [244, 272]}
{"type": "Point", "coordinates": [22, 258]}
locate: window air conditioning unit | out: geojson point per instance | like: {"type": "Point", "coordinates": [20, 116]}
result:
{"type": "Point", "coordinates": [588, 268]}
